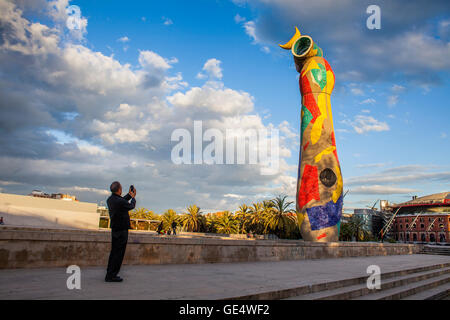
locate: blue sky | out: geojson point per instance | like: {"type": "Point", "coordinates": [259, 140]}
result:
{"type": "Point", "coordinates": [70, 133]}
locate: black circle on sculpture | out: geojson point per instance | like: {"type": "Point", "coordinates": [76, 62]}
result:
{"type": "Point", "coordinates": [328, 177]}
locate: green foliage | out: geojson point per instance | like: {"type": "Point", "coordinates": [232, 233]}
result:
{"type": "Point", "coordinates": [279, 218]}
{"type": "Point", "coordinates": [227, 223]}
{"type": "Point", "coordinates": [169, 217]}
{"type": "Point", "coordinates": [193, 220]}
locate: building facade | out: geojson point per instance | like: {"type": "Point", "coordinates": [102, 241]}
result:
{"type": "Point", "coordinates": [424, 219]}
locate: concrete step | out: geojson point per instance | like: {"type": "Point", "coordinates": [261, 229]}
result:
{"type": "Point", "coordinates": [408, 290]}
{"type": "Point", "coordinates": [439, 293]}
{"type": "Point", "coordinates": [331, 285]}
{"type": "Point", "coordinates": [359, 290]}
{"type": "Point", "coordinates": [436, 250]}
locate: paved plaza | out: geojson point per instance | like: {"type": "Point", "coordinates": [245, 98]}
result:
{"type": "Point", "coordinates": [198, 281]}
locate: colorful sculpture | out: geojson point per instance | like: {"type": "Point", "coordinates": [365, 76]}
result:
{"type": "Point", "coordinates": [319, 186]}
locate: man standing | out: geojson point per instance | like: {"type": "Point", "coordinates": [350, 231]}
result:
{"type": "Point", "coordinates": [120, 223]}
{"type": "Point", "coordinates": [174, 227]}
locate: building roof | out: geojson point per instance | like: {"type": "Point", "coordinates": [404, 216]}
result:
{"type": "Point", "coordinates": [437, 198]}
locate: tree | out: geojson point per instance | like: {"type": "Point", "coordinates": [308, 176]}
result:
{"type": "Point", "coordinates": [279, 218]}
{"type": "Point", "coordinates": [169, 217]}
{"type": "Point", "coordinates": [142, 213]}
{"type": "Point", "coordinates": [227, 223]}
{"type": "Point", "coordinates": [345, 232]}
{"type": "Point", "coordinates": [356, 225]}
{"type": "Point", "coordinates": [256, 218]}
{"type": "Point", "coordinates": [192, 220]}
{"type": "Point", "coordinates": [242, 215]}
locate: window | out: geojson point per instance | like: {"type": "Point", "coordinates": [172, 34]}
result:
{"type": "Point", "coordinates": [407, 225]}
{"type": "Point", "coordinates": [422, 226]}
{"type": "Point", "coordinates": [401, 226]}
{"type": "Point", "coordinates": [423, 238]}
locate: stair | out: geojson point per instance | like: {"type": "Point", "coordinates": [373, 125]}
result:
{"type": "Point", "coordinates": [439, 250]}
{"type": "Point", "coordinates": [422, 283]}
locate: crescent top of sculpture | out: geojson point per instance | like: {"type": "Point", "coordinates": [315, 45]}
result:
{"type": "Point", "coordinates": [302, 47]}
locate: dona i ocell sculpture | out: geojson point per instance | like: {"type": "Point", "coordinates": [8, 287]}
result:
{"type": "Point", "coordinates": [319, 198]}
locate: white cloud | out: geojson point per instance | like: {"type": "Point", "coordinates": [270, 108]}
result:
{"type": "Point", "coordinates": [392, 100]}
{"type": "Point", "coordinates": [86, 189]}
{"type": "Point", "coordinates": [212, 69]}
{"type": "Point", "coordinates": [167, 21]}
{"type": "Point", "coordinates": [250, 30]}
{"type": "Point", "coordinates": [379, 189]}
{"type": "Point", "coordinates": [238, 18]}
{"type": "Point", "coordinates": [357, 91]}
{"type": "Point", "coordinates": [123, 39]}
{"type": "Point", "coordinates": [219, 100]}
{"type": "Point", "coordinates": [368, 101]}
{"type": "Point", "coordinates": [362, 124]}
{"type": "Point", "coordinates": [153, 61]}
{"type": "Point", "coordinates": [398, 88]}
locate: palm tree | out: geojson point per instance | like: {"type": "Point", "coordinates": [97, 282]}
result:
{"type": "Point", "coordinates": [356, 225]}
{"type": "Point", "coordinates": [256, 217]}
{"type": "Point", "coordinates": [345, 232]}
{"type": "Point", "coordinates": [192, 220]}
{"type": "Point", "coordinates": [211, 222]}
{"type": "Point", "coordinates": [169, 217]}
{"type": "Point", "coordinates": [142, 213]}
{"type": "Point", "coordinates": [279, 217]}
{"type": "Point", "coordinates": [242, 215]}
{"type": "Point", "coordinates": [227, 223]}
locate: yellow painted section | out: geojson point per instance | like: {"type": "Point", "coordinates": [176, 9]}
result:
{"type": "Point", "coordinates": [316, 130]}
{"type": "Point", "coordinates": [300, 218]}
{"type": "Point", "coordinates": [330, 114]}
{"type": "Point", "coordinates": [324, 152]}
{"type": "Point", "coordinates": [291, 42]}
{"type": "Point", "coordinates": [330, 82]}
{"type": "Point", "coordinates": [337, 193]}
{"type": "Point", "coordinates": [311, 65]}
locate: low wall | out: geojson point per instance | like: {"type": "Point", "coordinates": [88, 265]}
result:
{"type": "Point", "coordinates": [47, 213]}
{"type": "Point", "coordinates": [34, 248]}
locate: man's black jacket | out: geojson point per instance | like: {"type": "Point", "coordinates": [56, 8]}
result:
{"type": "Point", "coordinates": [118, 211]}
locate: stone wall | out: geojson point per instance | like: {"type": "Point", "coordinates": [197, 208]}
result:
{"type": "Point", "coordinates": [34, 248]}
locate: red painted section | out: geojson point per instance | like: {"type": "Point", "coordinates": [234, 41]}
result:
{"type": "Point", "coordinates": [311, 104]}
{"type": "Point", "coordinates": [333, 143]}
{"type": "Point", "coordinates": [305, 87]}
{"type": "Point", "coordinates": [309, 188]}
{"type": "Point", "coordinates": [323, 235]}
{"type": "Point", "coordinates": [306, 146]}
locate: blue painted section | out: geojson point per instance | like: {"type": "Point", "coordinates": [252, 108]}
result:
{"type": "Point", "coordinates": [325, 216]}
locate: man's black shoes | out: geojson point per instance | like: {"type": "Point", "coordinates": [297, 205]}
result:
{"type": "Point", "coordinates": [113, 279]}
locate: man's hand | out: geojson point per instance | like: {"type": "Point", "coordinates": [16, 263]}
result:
{"type": "Point", "coordinates": [132, 193]}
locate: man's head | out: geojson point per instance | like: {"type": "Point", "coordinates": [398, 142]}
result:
{"type": "Point", "coordinates": [116, 188]}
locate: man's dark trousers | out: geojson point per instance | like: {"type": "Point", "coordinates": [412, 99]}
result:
{"type": "Point", "coordinates": [118, 247]}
